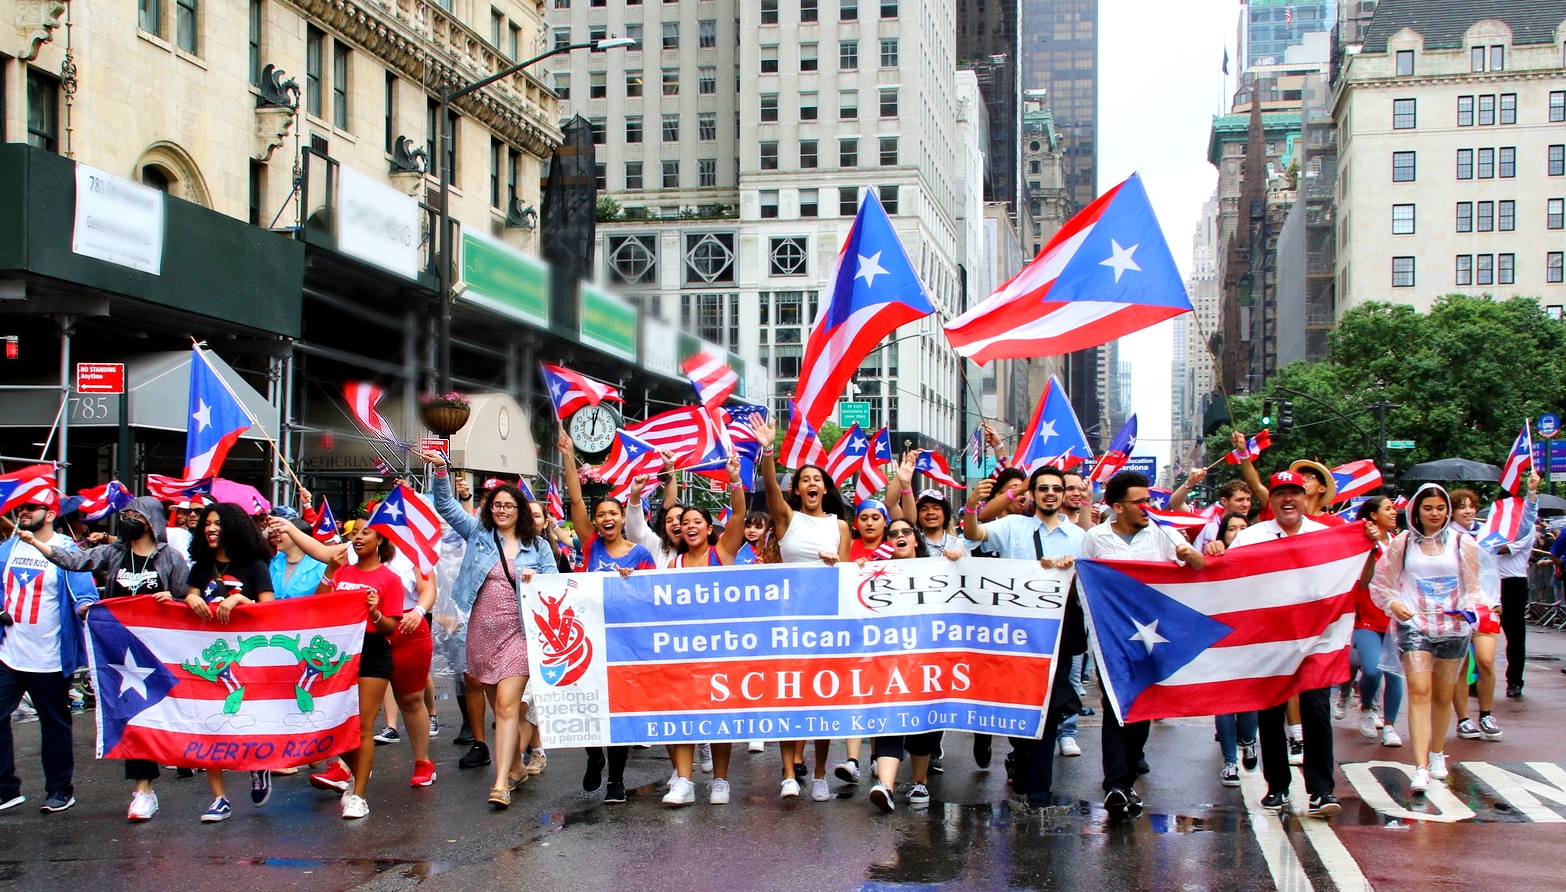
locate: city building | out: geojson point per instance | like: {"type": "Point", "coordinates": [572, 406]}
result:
{"type": "Point", "coordinates": [988, 43]}
{"type": "Point", "coordinates": [1452, 165]}
{"type": "Point", "coordinates": [1269, 27]}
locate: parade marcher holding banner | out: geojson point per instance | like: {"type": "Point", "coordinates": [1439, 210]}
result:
{"type": "Point", "coordinates": [811, 530]}
{"type": "Point", "coordinates": [228, 570]}
{"type": "Point", "coordinates": [1428, 576]}
{"type": "Point", "coordinates": [1130, 536]}
{"type": "Point", "coordinates": [1048, 537]}
{"type": "Point", "coordinates": [504, 550]}
{"type": "Point", "coordinates": [140, 563]}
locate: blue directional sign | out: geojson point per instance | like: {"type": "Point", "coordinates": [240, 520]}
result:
{"type": "Point", "coordinates": [1549, 425]}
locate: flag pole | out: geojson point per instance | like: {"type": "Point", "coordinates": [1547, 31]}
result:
{"type": "Point", "coordinates": [246, 409]}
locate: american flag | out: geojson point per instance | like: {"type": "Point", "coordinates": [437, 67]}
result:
{"type": "Point", "coordinates": [1518, 462]}
{"type": "Point", "coordinates": [363, 398]}
{"type": "Point", "coordinates": [847, 454]}
{"type": "Point", "coordinates": [689, 434]}
{"type": "Point", "coordinates": [712, 378]}
{"type": "Point", "coordinates": [872, 469]}
{"type": "Point", "coordinates": [933, 465]}
{"type": "Point", "coordinates": [570, 391]}
{"type": "Point", "coordinates": [411, 524]}
{"type": "Point", "coordinates": [33, 484]}
{"type": "Point", "coordinates": [169, 489]}
{"type": "Point", "coordinates": [1253, 448]}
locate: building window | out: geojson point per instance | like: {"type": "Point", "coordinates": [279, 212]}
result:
{"type": "Point", "coordinates": [598, 85]}
{"type": "Point", "coordinates": [769, 60]}
{"type": "Point", "coordinates": [1506, 216]}
{"type": "Point", "coordinates": [389, 112]}
{"type": "Point", "coordinates": [809, 109]}
{"type": "Point", "coordinates": [709, 258]}
{"type": "Point", "coordinates": [633, 175]}
{"type": "Point", "coordinates": [1405, 63]}
{"type": "Point", "coordinates": [1487, 110]}
{"type": "Point", "coordinates": [671, 128]}
{"type": "Point", "coordinates": [808, 153]}
{"type": "Point", "coordinates": [1506, 269]}
{"type": "Point", "coordinates": [848, 153]}
{"type": "Point", "coordinates": [769, 155]}
{"type": "Point", "coordinates": [601, 176]}
{"type": "Point", "coordinates": [1498, 58]}
{"type": "Point", "coordinates": [633, 259]}
{"type": "Point", "coordinates": [562, 38]}
{"type": "Point", "coordinates": [671, 82]}
{"type": "Point", "coordinates": [1402, 219]}
{"type": "Point", "coordinates": [185, 25]}
{"type": "Point", "coordinates": [809, 57]}
{"type": "Point", "coordinates": [1404, 115]}
{"type": "Point", "coordinates": [889, 195]}
{"type": "Point", "coordinates": [671, 174]}
{"type": "Point", "coordinates": [1557, 164]}
{"type": "Point", "coordinates": [315, 70]}
{"type": "Point", "coordinates": [706, 80]}
{"type": "Point", "coordinates": [1486, 164]}
{"type": "Point", "coordinates": [671, 35]}
{"type": "Point", "coordinates": [888, 103]}
{"type": "Point", "coordinates": [848, 55]}
{"type": "Point", "coordinates": [1465, 164]}
{"type": "Point", "coordinates": [848, 11]}
{"type": "Point", "coordinates": [633, 30]}
{"type": "Point", "coordinates": [707, 33]}
{"type": "Point", "coordinates": [809, 202]}
{"type": "Point", "coordinates": [633, 128]}
{"type": "Point", "coordinates": [256, 17]}
{"type": "Point", "coordinates": [1508, 108]}
{"type": "Point", "coordinates": [769, 12]}
{"type": "Point", "coordinates": [888, 9]}
{"type": "Point", "coordinates": [1553, 266]}
{"type": "Point", "coordinates": [1555, 214]}
{"type": "Point", "coordinates": [149, 16]}
{"type": "Point", "coordinates": [1486, 216]}
{"type": "Point", "coordinates": [1484, 269]}
{"type": "Point", "coordinates": [1465, 269]}
{"type": "Point", "coordinates": [1465, 111]}
{"type": "Point", "coordinates": [633, 83]}
{"type": "Point", "coordinates": [1402, 167]}
{"type": "Point", "coordinates": [1402, 272]}
{"type": "Point", "coordinates": [809, 10]}
{"type": "Point", "coordinates": [1558, 106]}
{"type": "Point", "coordinates": [707, 172]}
{"type": "Point", "coordinates": [600, 128]}
{"type": "Point", "coordinates": [768, 204]}
{"type": "Point", "coordinates": [1465, 216]}
{"type": "Point", "coordinates": [497, 155]}
{"type": "Point", "coordinates": [889, 52]}
{"type": "Point", "coordinates": [563, 84]}
{"type": "Point", "coordinates": [707, 126]}
{"type": "Point", "coordinates": [1507, 166]}
{"type": "Point", "coordinates": [847, 201]}
{"type": "Point", "coordinates": [888, 151]}
{"type": "Point", "coordinates": [788, 256]}
{"type": "Point", "coordinates": [515, 47]}
{"type": "Point", "coordinates": [848, 105]}
{"type": "Point", "coordinates": [1476, 58]}
{"type": "Point", "coordinates": [43, 111]}
{"type": "Point", "coordinates": [769, 108]}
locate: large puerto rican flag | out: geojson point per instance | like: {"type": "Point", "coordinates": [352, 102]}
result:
{"type": "Point", "coordinates": [1107, 273]}
{"type": "Point", "coordinates": [1257, 626]}
{"type": "Point", "coordinates": [276, 687]}
{"type": "Point", "coordinates": [215, 421]}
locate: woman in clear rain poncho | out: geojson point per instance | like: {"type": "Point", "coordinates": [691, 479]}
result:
{"type": "Point", "coordinates": [1427, 577]}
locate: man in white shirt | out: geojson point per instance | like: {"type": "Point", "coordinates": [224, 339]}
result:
{"type": "Point", "coordinates": [1511, 561]}
{"type": "Point", "coordinates": [1130, 536]}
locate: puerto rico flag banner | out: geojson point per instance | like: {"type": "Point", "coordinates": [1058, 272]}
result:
{"type": "Point", "coordinates": [712, 378]}
{"type": "Point", "coordinates": [629, 457]}
{"type": "Point", "coordinates": [1177, 520]}
{"type": "Point", "coordinates": [872, 292]}
{"type": "Point", "coordinates": [570, 391]}
{"type": "Point", "coordinates": [363, 398]}
{"type": "Point", "coordinates": [412, 525]}
{"type": "Point", "coordinates": [168, 489]}
{"type": "Point", "coordinates": [1254, 447]}
{"type": "Point", "coordinates": [1054, 435]}
{"type": "Point", "coordinates": [932, 464]}
{"type": "Point", "coordinates": [1518, 462]}
{"type": "Point", "coordinates": [556, 504]}
{"type": "Point", "coordinates": [872, 468]}
{"type": "Point", "coordinates": [32, 485]}
{"type": "Point", "coordinates": [1258, 625]}
{"type": "Point", "coordinates": [847, 454]}
{"type": "Point", "coordinates": [1504, 525]}
{"type": "Point", "coordinates": [1160, 496]}
{"type": "Point", "coordinates": [689, 434]}
{"type": "Point", "coordinates": [1357, 478]}
{"type": "Point", "coordinates": [1107, 273]}
{"type": "Point", "coordinates": [278, 686]}
{"type": "Point", "coordinates": [801, 445]}
{"type": "Point", "coordinates": [215, 421]}
{"type": "Point", "coordinates": [1118, 454]}
{"type": "Point", "coordinates": [325, 529]}
{"type": "Point", "coordinates": [101, 501]}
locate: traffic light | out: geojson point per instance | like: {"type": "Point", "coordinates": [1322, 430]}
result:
{"type": "Point", "coordinates": [1388, 473]}
{"type": "Point", "coordinates": [1285, 416]}
{"type": "Point", "coordinates": [1266, 419]}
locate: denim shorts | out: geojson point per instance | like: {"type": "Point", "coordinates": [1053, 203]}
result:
{"type": "Point", "coordinates": [1451, 647]}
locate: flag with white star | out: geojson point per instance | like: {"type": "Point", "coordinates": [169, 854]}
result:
{"type": "Point", "coordinates": [872, 292]}
{"type": "Point", "coordinates": [1054, 436]}
{"type": "Point", "coordinates": [1107, 273]}
{"type": "Point", "coordinates": [215, 421]}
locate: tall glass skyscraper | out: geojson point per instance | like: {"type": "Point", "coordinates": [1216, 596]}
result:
{"type": "Point", "coordinates": [1272, 26]}
{"type": "Point", "coordinates": [1060, 55]}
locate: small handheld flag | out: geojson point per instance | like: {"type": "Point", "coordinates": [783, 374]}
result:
{"type": "Point", "coordinates": [932, 464]}
{"type": "Point", "coordinates": [1054, 431]}
{"type": "Point", "coordinates": [1518, 462]}
{"type": "Point", "coordinates": [1254, 446]}
{"type": "Point", "coordinates": [215, 420]}
{"type": "Point", "coordinates": [411, 524]}
{"type": "Point", "coordinates": [570, 391]}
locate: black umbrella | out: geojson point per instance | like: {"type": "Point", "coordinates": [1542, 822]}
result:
{"type": "Point", "coordinates": [1453, 469]}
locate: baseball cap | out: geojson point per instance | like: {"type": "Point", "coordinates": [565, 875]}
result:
{"type": "Point", "coordinates": [1285, 478]}
{"type": "Point", "coordinates": [492, 483]}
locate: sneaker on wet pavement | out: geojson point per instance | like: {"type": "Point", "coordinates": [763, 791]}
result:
{"type": "Point", "coordinates": [354, 807]}
{"type": "Point", "coordinates": [847, 772]}
{"type": "Point", "coordinates": [143, 806]}
{"type": "Point", "coordinates": [537, 760]}
{"type": "Point", "coordinates": [423, 773]}
{"type": "Point", "coordinates": [1489, 728]}
{"type": "Point", "coordinates": [388, 735]}
{"type": "Point", "coordinates": [1438, 766]}
{"type": "Point", "coordinates": [477, 757]}
{"type": "Point", "coordinates": [1467, 730]}
{"type": "Point", "coordinates": [881, 798]}
{"type": "Point", "coordinates": [704, 757]}
{"type": "Point", "coordinates": [1323, 805]}
{"type": "Point", "coordinates": [1420, 781]}
{"type": "Point", "coordinates": [756, 746]}
{"type": "Point", "coordinates": [790, 789]}
{"type": "Point", "coordinates": [260, 787]}
{"type": "Point", "coordinates": [1340, 708]}
{"type": "Point", "coordinates": [614, 791]}
{"type": "Point", "coordinates": [1230, 775]}
{"type": "Point", "coordinates": [219, 810]}
{"type": "Point", "coordinates": [820, 791]}
{"type": "Point", "coordinates": [1275, 801]}
{"type": "Point", "coordinates": [681, 792]}
{"type": "Point", "coordinates": [1368, 724]}
{"type": "Point", "coordinates": [1248, 755]}
{"type": "Point", "coordinates": [337, 777]}
{"type": "Point", "coordinates": [1068, 746]}
{"type": "Point", "coordinates": [718, 793]}
{"type": "Point", "coordinates": [1390, 737]}
{"type": "Point", "coordinates": [918, 794]}
{"type": "Point", "coordinates": [11, 801]}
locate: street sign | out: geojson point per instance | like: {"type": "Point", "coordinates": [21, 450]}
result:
{"type": "Point", "coordinates": [436, 444]}
{"type": "Point", "coordinates": [851, 412]}
{"type": "Point", "coordinates": [1146, 465]}
{"type": "Point", "coordinates": [1549, 425]}
{"type": "Point", "coordinates": [100, 377]}
{"type": "Point", "coordinates": [1400, 444]}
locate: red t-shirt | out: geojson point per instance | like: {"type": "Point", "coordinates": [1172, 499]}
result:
{"type": "Point", "coordinates": [857, 550]}
{"type": "Point", "coordinates": [382, 579]}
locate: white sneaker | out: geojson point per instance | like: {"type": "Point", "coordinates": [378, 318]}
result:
{"type": "Point", "coordinates": [790, 789]}
{"type": "Point", "coordinates": [1390, 737]}
{"type": "Point", "coordinates": [1339, 709]}
{"type": "Point", "coordinates": [756, 746]}
{"type": "Point", "coordinates": [847, 772]}
{"type": "Point", "coordinates": [683, 792]}
{"type": "Point", "coordinates": [718, 793]}
{"type": "Point", "coordinates": [354, 807]}
{"type": "Point", "coordinates": [1420, 781]}
{"type": "Point", "coordinates": [704, 757]}
{"type": "Point", "coordinates": [1368, 722]}
{"type": "Point", "coordinates": [1438, 766]}
{"type": "Point", "coordinates": [143, 806]}
{"type": "Point", "coordinates": [674, 777]}
{"type": "Point", "coordinates": [1068, 746]}
{"type": "Point", "coordinates": [819, 790]}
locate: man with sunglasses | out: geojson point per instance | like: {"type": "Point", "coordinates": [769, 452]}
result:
{"type": "Point", "coordinates": [1048, 537]}
{"type": "Point", "coordinates": [1130, 536]}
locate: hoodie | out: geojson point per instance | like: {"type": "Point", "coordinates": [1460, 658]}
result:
{"type": "Point", "coordinates": [169, 564]}
{"type": "Point", "coordinates": [1448, 584]}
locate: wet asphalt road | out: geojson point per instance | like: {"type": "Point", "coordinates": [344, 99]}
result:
{"type": "Point", "coordinates": [1197, 834]}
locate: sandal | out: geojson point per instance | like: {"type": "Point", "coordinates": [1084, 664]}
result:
{"type": "Point", "coordinates": [500, 799]}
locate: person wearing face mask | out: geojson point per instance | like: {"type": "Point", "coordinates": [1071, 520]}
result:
{"type": "Point", "coordinates": [139, 562]}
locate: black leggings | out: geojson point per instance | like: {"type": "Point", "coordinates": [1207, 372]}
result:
{"type": "Point", "coordinates": [926, 744]}
{"type": "Point", "coordinates": [618, 756]}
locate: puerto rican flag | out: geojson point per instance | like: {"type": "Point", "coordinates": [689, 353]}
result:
{"type": "Point", "coordinates": [24, 588]}
{"type": "Point", "coordinates": [1482, 617]}
{"type": "Point", "coordinates": [1518, 462]}
{"type": "Point", "coordinates": [215, 421]}
{"type": "Point", "coordinates": [289, 696]}
{"type": "Point", "coordinates": [1054, 435]}
{"type": "Point", "coordinates": [32, 485]}
{"type": "Point", "coordinates": [168, 489]}
{"type": "Point", "coordinates": [363, 398]}
{"type": "Point", "coordinates": [570, 391]}
{"type": "Point", "coordinates": [1107, 273]}
{"type": "Point", "coordinates": [932, 464]}
{"type": "Point", "coordinates": [1356, 478]}
{"type": "Point", "coordinates": [847, 455]}
{"type": "Point", "coordinates": [872, 468]}
{"type": "Point", "coordinates": [1258, 625]}
{"type": "Point", "coordinates": [412, 525]}
{"type": "Point", "coordinates": [101, 501]}
{"type": "Point", "coordinates": [325, 529]}
{"type": "Point", "coordinates": [629, 457]}
{"type": "Point", "coordinates": [1118, 454]}
{"type": "Point", "coordinates": [1254, 447]}
{"type": "Point", "coordinates": [712, 378]}
{"type": "Point", "coordinates": [1160, 496]}
{"type": "Point", "coordinates": [689, 434]}
{"type": "Point", "coordinates": [873, 290]}
{"type": "Point", "coordinates": [1503, 526]}
{"type": "Point", "coordinates": [801, 445]}
{"type": "Point", "coordinates": [556, 504]}
{"type": "Point", "coordinates": [1176, 520]}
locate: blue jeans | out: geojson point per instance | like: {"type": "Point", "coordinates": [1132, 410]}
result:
{"type": "Point", "coordinates": [1233, 728]}
{"type": "Point", "coordinates": [51, 696]}
{"type": "Point", "coordinates": [1367, 645]}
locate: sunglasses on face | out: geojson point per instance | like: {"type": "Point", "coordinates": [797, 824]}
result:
{"type": "Point", "coordinates": [904, 533]}
{"type": "Point", "coordinates": [1050, 489]}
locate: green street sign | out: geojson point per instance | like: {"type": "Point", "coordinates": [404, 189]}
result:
{"type": "Point", "coordinates": [850, 413]}
{"type": "Point", "coordinates": [1400, 444]}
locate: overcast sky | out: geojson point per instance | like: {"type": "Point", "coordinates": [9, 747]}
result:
{"type": "Point", "coordinates": [1160, 83]}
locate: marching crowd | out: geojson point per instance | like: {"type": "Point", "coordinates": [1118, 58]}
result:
{"type": "Point", "coordinates": [1430, 596]}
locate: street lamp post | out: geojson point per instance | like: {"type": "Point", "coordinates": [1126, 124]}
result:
{"type": "Point", "coordinates": [447, 160]}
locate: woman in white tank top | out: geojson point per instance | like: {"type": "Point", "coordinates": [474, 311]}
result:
{"type": "Point", "coordinates": [811, 530]}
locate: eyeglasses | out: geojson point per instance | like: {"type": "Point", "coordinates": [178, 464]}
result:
{"type": "Point", "coordinates": [1051, 489]}
{"type": "Point", "coordinates": [502, 506]}
{"type": "Point", "coordinates": [1143, 502]}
